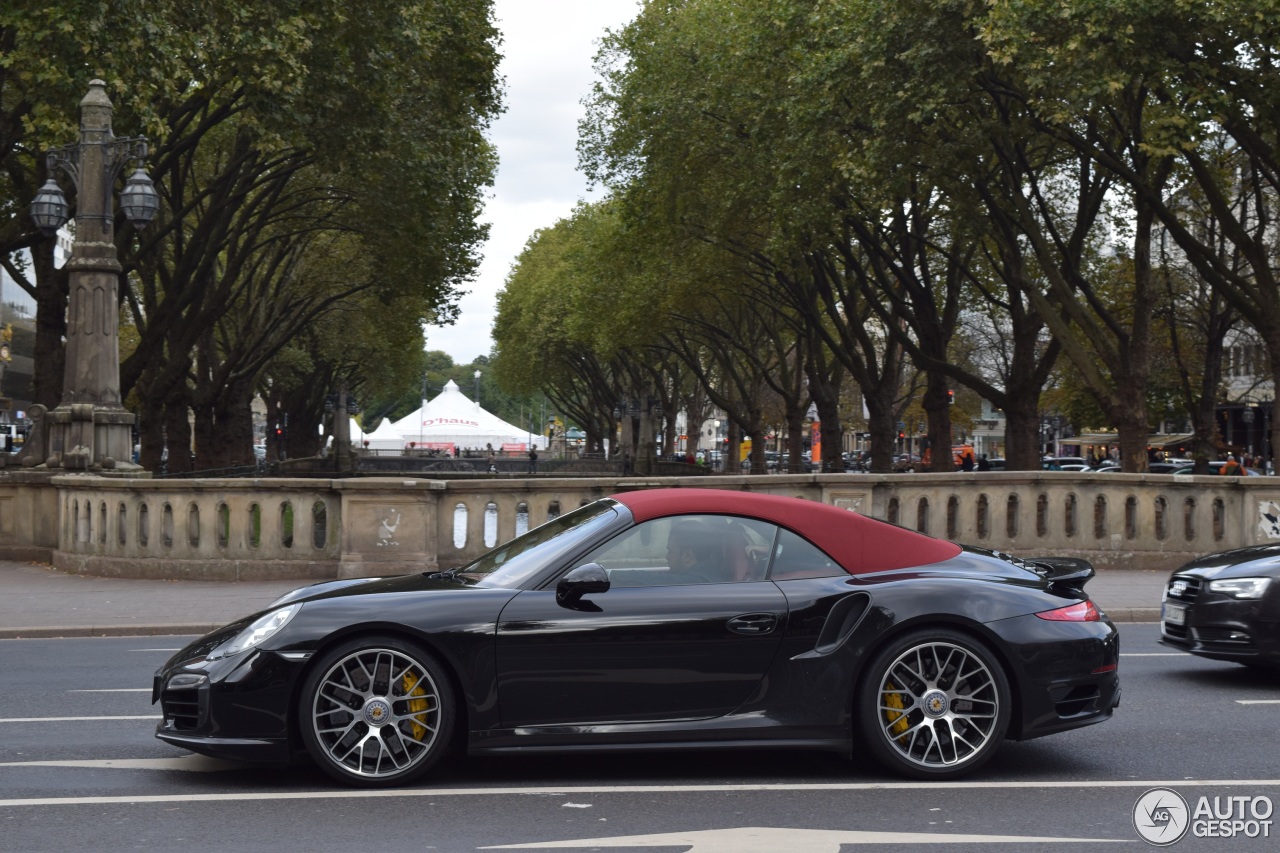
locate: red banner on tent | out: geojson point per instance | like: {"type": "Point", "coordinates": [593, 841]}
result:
{"type": "Point", "coordinates": [514, 448]}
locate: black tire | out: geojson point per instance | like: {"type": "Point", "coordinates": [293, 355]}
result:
{"type": "Point", "coordinates": [933, 704]}
{"type": "Point", "coordinates": [376, 711]}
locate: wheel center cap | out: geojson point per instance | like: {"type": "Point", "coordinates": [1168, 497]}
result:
{"type": "Point", "coordinates": [935, 703]}
{"type": "Point", "coordinates": [377, 712]}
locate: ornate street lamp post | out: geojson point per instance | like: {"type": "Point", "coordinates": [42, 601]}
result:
{"type": "Point", "coordinates": [90, 429]}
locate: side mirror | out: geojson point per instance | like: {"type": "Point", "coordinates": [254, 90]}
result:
{"type": "Point", "coordinates": [584, 580]}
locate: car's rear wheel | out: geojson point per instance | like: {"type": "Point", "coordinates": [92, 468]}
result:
{"type": "Point", "coordinates": [376, 711]}
{"type": "Point", "coordinates": [934, 704]}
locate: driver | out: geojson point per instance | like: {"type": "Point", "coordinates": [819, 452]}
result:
{"type": "Point", "coordinates": [694, 554]}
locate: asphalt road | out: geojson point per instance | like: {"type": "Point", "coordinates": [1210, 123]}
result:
{"type": "Point", "coordinates": [80, 770]}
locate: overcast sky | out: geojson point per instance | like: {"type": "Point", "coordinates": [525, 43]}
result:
{"type": "Point", "coordinates": [548, 47]}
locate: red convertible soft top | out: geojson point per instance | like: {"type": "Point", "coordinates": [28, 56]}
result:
{"type": "Point", "coordinates": [859, 544]}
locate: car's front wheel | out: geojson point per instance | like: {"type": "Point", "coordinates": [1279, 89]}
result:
{"type": "Point", "coordinates": [934, 704]}
{"type": "Point", "coordinates": [376, 711]}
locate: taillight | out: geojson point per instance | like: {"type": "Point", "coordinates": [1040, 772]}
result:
{"type": "Point", "coordinates": [1081, 611]}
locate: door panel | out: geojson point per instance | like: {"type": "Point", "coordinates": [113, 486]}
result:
{"type": "Point", "coordinates": [636, 654]}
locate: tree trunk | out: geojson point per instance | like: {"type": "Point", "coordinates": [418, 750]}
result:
{"type": "Point", "coordinates": [150, 435]}
{"type": "Point", "coordinates": [205, 432]}
{"type": "Point", "coordinates": [758, 465]}
{"type": "Point", "coordinates": [882, 426]}
{"type": "Point", "coordinates": [177, 429]}
{"type": "Point", "coordinates": [831, 433]}
{"type": "Point", "coordinates": [795, 442]}
{"type": "Point", "coordinates": [230, 441]}
{"type": "Point", "coordinates": [1133, 431]}
{"type": "Point", "coordinates": [937, 408]}
{"type": "Point", "coordinates": [732, 450]}
{"type": "Point", "coordinates": [1022, 434]}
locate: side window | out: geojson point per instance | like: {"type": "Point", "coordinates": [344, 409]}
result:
{"type": "Point", "coordinates": [794, 557]}
{"type": "Point", "coordinates": [688, 549]}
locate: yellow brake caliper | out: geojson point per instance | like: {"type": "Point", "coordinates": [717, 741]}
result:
{"type": "Point", "coordinates": [416, 706]}
{"type": "Point", "coordinates": [891, 698]}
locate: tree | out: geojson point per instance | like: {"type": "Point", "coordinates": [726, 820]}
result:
{"type": "Point", "coordinates": [283, 131]}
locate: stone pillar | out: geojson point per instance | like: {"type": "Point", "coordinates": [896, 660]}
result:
{"type": "Point", "coordinates": [90, 429]}
{"type": "Point", "coordinates": [342, 433]}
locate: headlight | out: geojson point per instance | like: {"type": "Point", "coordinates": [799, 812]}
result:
{"type": "Point", "coordinates": [1241, 587]}
{"type": "Point", "coordinates": [259, 630]}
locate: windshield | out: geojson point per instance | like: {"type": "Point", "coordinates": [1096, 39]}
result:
{"type": "Point", "coordinates": [513, 563]}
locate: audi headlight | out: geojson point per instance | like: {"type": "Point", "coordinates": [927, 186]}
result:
{"type": "Point", "coordinates": [259, 630]}
{"type": "Point", "coordinates": [1241, 587]}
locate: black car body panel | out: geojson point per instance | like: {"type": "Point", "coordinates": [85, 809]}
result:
{"type": "Point", "coordinates": [766, 662]}
{"type": "Point", "coordinates": [1218, 625]}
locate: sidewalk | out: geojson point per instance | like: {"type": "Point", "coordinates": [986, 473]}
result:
{"type": "Point", "coordinates": [39, 601]}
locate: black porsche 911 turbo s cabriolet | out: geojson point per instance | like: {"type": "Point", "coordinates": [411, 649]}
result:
{"type": "Point", "coordinates": [672, 618]}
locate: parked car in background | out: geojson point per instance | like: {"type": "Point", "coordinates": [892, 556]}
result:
{"type": "Point", "coordinates": [1216, 468]}
{"type": "Point", "coordinates": [906, 462]}
{"type": "Point", "coordinates": [1065, 463]}
{"type": "Point", "coordinates": [1168, 467]}
{"type": "Point", "coordinates": [857, 460]}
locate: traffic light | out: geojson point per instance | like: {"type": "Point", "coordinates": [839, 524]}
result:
{"type": "Point", "coordinates": [951, 398]}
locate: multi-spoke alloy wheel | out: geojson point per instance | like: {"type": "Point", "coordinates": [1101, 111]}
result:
{"type": "Point", "coordinates": [376, 711]}
{"type": "Point", "coordinates": [934, 704]}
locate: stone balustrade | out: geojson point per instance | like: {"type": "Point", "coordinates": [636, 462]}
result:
{"type": "Point", "coordinates": [313, 529]}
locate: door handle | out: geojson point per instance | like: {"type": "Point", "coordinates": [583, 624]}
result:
{"type": "Point", "coordinates": [753, 623]}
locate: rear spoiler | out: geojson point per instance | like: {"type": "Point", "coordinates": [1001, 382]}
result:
{"type": "Point", "coordinates": [1069, 573]}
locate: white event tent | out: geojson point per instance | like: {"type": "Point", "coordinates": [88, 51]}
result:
{"type": "Point", "coordinates": [448, 421]}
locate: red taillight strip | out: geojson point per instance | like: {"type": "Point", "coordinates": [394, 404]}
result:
{"type": "Point", "coordinates": [1081, 611]}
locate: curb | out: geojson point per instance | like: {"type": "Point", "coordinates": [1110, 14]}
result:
{"type": "Point", "coordinates": [1133, 614]}
{"type": "Point", "coordinates": [107, 631]}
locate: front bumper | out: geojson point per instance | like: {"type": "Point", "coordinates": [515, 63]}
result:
{"type": "Point", "coordinates": [233, 749]}
{"type": "Point", "coordinates": [237, 708]}
{"type": "Point", "coordinates": [1219, 627]}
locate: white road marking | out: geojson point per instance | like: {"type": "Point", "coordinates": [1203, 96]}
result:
{"type": "Point", "coordinates": [1153, 654]}
{"type": "Point", "coordinates": [195, 763]}
{"type": "Point", "coordinates": [115, 690]}
{"type": "Point", "coordinates": [1258, 701]}
{"type": "Point", "coordinates": [768, 839]}
{"type": "Point", "coordinates": [155, 650]}
{"type": "Point", "coordinates": [242, 796]}
{"type": "Point", "coordinates": [72, 719]}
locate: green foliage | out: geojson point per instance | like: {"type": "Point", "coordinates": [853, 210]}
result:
{"type": "Point", "coordinates": [321, 170]}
